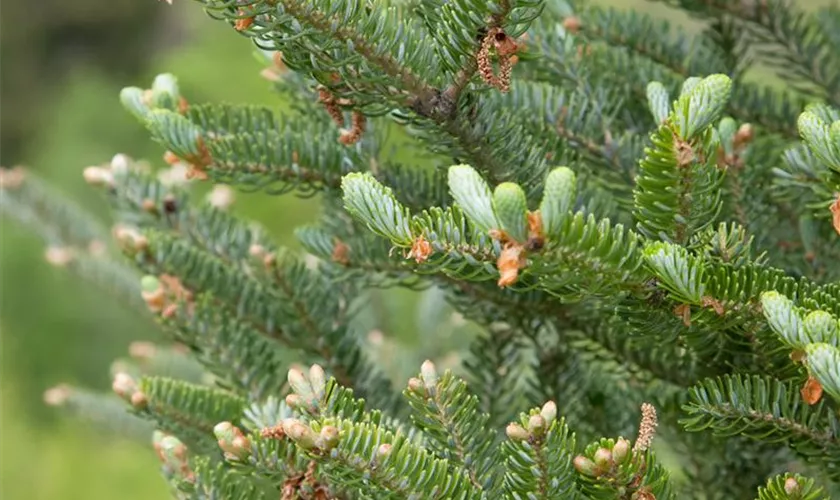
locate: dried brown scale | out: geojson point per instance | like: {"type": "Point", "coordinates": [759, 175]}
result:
{"type": "Point", "coordinates": [354, 135]}
{"type": "Point", "coordinates": [811, 391]}
{"type": "Point", "coordinates": [275, 432]}
{"type": "Point", "coordinates": [170, 158]}
{"type": "Point", "coordinates": [421, 249]}
{"type": "Point", "coordinates": [331, 105]}
{"type": "Point", "coordinates": [714, 304]}
{"type": "Point", "coordinates": [340, 253]}
{"type": "Point", "coordinates": [309, 476]}
{"type": "Point", "coordinates": [510, 261]}
{"type": "Point", "coordinates": [536, 238]}
{"type": "Point", "coordinates": [198, 162]}
{"type": "Point", "coordinates": [684, 311]}
{"type": "Point", "coordinates": [243, 23]}
{"type": "Point", "coordinates": [170, 205]}
{"type": "Point", "coordinates": [505, 46]}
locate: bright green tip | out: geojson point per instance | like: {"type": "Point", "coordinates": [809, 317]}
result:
{"type": "Point", "coordinates": [149, 283]}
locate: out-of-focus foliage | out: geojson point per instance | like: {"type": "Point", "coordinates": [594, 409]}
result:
{"type": "Point", "coordinates": [44, 41]}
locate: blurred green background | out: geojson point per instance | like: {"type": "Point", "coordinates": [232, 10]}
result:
{"type": "Point", "coordinates": [63, 64]}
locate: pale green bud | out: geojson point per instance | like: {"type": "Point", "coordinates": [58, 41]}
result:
{"type": "Point", "coordinates": [165, 91]}
{"type": "Point", "coordinates": [516, 432]}
{"type": "Point", "coordinates": [429, 374]}
{"type": "Point", "coordinates": [536, 424]}
{"type": "Point", "coordinates": [133, 100]}
{"type": "Point", "coordinates": [138, 400]}
{"type": "Point", "coordinates": [549, 413]}
{"type": "Point", "coordinates": [473, 196]}
{"type": "Point", "coordinates": [294, 401]}
{"type": "Point", "coordinates": [224, 431]}
{"type": "Point", "coordinates": [511, 209]}
{"type": "Point", "coordinates": [329, 437]}
{"type": "Point", "coordinates": [299, 383]}
{"type": "Point", "coordinates": [120, 163]}
{"type": "Point", "coordinates": [659, 101]}
{"type": "Point", "coordinates": [318, 380]}
{"type": "Point", "coordinates": [300, 433]}
{"type": "Point", "coordinates": [240, 447]}
{"type": "Point", "coordinates": [173, 450]}
{"type": "Point", "coordinates": [157, 438]}
{"type": "Point", "coordinates": [792, 487]}
{"type": "Point", "coordinates": [621, 450]}
{"type": "Point", "coordinates": [689, 84]}
{"type": "Point", "coordinates": [416, 386]}
{"type": "Point", "coordinates": [603, 458]}
{"type": "Point", "coordinates": [383, 451]}
{"type": "Point", "coordinates": [124, 385]}
{"type": "Point", "coordinates": [585, 466]}
{"type": "Point", "coordinates": [821, 326]}
{"type": "Point", "coordinates": [701, 104]}
{"type": "Point", "coordinates": [149, 284]}
{"type": "Point", "coordinates": [558, 200]}
{"type": "Point", "coordinates": [98, 176]}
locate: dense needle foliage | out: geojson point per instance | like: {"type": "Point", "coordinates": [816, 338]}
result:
{"type": "Point", "coordinates": [647, 240]}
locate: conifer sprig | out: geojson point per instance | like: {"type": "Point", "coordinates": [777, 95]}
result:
{"type": "Point", "coordinates": [681, 257]}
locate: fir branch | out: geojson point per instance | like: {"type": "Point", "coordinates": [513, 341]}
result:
{"type": "Point", "coordinates": [419, 94]}
{"type": "Point", "coordinates": [678, 191]}
{"type": "Point", "coordinates": [789, 485]}
{"type": "Point", "coordinates": [800, 43]}
{"type": "Point", "coordinates": [58, 219]}
{"type": "Point", "coordinates": [774, 110]}
{"type": "Point", "coordinates": [214, 480]}
{"type": "Point", "coordinates": [736, 290]}
{"type": "Point", "coordinates": [642, 35]}
{"type": "Point", "coordinates": [538, 457]}
{"type": "Point", "coordinates": [390, 466]}
{"type": "Point", "coordinates": [105, 412]}
{"type": "Point", "coordinates": [75, 239]}
{"type": "Point", "coordinates": [496, 368]}
{"type": "Point", "coordinates": [241, 358]}
{"type": "Point", "coordinates": [266, 310]}
{"type": "Point", "coordinates": [186, 410]}
{"type": "Point", "coordinates": [765, 408]}
{"type": "Point", "coordinates": [215, 240]}
{"type": "Point", "coordinates": [448, 415]}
